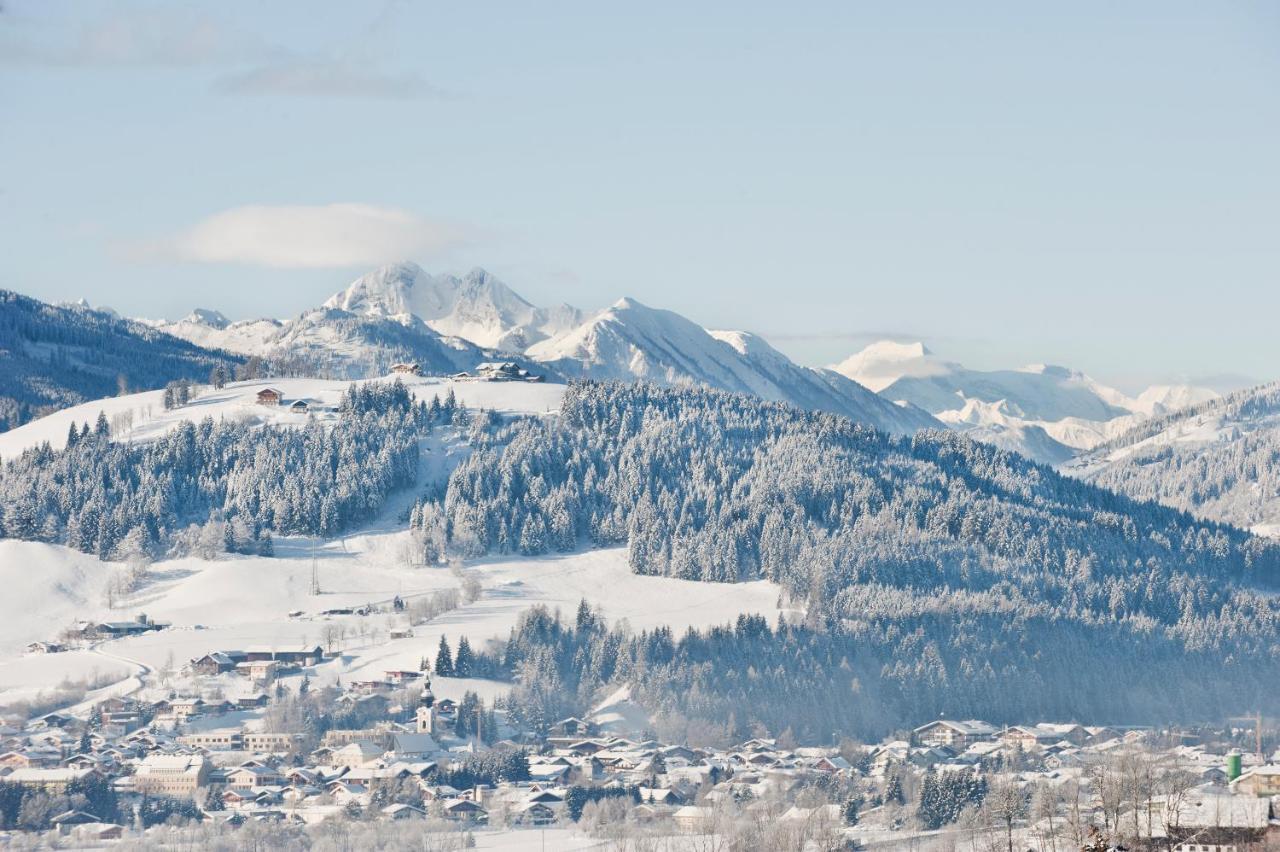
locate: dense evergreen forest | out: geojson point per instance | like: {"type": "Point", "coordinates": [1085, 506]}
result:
{"type": "Point", "coordinates": [245, 481]}
{"type": "Point", "coordinates": [940, 576]}
{"type": "Point", "coordinates": [52, 357]}
{"type": "Point", "coordinates": [1232, 476]}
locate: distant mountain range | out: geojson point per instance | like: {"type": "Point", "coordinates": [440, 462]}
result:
{"type": "Point", "coordinates": [449, 323]}
{"type": "Point", "coordinates": [1219, 460]}
{"type": "Point", "coordinates": [1047, 412]}
{"type": "Point", "coordinates": [55, 356]}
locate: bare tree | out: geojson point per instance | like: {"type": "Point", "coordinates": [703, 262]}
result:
{"type": "Point", "coordinates": [1006, 803]}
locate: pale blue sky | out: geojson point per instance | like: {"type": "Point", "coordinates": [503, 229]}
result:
{"type": "Point", "coordinates": [1093, 184]}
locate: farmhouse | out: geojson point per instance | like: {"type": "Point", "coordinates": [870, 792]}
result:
{"type": "Point", "coordinates": [498, 371]}
{"type": "Point", "coordinates": [270, 396]}
{"type": "Point", "coordinates": [407, 369]}
{"type": "Point", "coordinates": [217, 662]}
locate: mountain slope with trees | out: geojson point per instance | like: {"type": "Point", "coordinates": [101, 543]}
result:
{"type": "Point", "coordinates": [52, 357]}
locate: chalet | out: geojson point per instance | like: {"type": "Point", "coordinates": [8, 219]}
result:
{"type": "Point", "coordinates": [300, 406]}
{"type": "Point", "coordinates": [270, 396]}
{"type": "Point", "coordinates": [402, 676]}
{"type": "Point", "coordinates": [45, 648]}
{"type": "Point", "coordinates": [67, 820]}
{"type": "Point", "coordinates": [217, 662]}
{"type": "Point", "coordinates": [401, 633]}
{"type": "Point", "coordinates": [407, 369]}
{"type": "Point", "coordinates": [400, 812]}
{"type": "Point", "coordinates": [259, 671]}
{"type": "Point", "coordinates": [946, 732]}
{"type": "Point", "coordinates": [463, 810]}
{"type": "Point", "coordinates": [572, 727]}
{"type": "Point", "coordinates": [534, 813]}
{"type": "Point", "coordinates": [251, 776]}
{"type": "Point", "coordinates": [369, 687]}
{"type": "Point", "coordinates": [504, 371]}
{"type": "Point", "coordinates": [251, 701]}
{"type": "Point", "coordinates": [30, 758]}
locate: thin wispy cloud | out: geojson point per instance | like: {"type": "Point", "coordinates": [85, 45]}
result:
{"type": "Point", "coordinates": [327, 78]}
{"type": "Point", "coordinates": [138, 38]}
{"type": "Point", "coordinates": [327, 236]}
{"type": "Point", "coordinates": [244, 63]}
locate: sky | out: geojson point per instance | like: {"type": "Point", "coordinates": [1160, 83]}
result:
{"type": "Point", "coordinates": [1088, 184]}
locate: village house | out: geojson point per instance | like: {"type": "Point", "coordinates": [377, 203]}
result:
{"type": "Point", "coordinates": [259, 671]}
{"type": "Point", "coordinates": [464, 810]}
{"type": "Point", "coordinates": [253, 775]}
{"type": "Point", "coordinates": [1260, 781]}
{"type": "Point", "coordinates": [270, 396]}
{"type": "Point", "coordinates": [406, 369]}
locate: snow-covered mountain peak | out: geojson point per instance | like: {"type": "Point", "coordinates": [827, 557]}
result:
{"type": "Point", "coordinates": [1164, 399]}
{"type": "Point", "coordinates": [1052, 370]}
{"type": "Point", "coordinates": [207, 316]}
{"type": "Point", "coordinates": [477, 306]}
{"type": "Point", "coordinates": [884, 362]}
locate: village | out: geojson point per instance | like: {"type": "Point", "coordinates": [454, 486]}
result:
{"type": "Point", "coordinates": [235, 750]}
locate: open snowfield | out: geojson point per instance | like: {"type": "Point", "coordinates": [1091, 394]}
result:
{"type": "Point", "coordinates": [239, 601]}
{"type": "Point", "coordinates": [238, 401]}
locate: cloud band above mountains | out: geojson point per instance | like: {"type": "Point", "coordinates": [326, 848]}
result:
{"type": "Point", "coordinates": [326, 236]}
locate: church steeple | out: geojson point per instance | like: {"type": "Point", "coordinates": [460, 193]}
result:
{"type": "Point", "coordinates": [424, 714]}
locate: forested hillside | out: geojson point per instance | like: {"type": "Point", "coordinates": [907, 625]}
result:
{"type": "Point", "coordinates": [52, 357]}
{"type": "Point", "coordinates": [1220, 460]}
{"type": "Point", "coordinates": [239, 481]}
{"type": "Point", "coordinates": [940, 576]}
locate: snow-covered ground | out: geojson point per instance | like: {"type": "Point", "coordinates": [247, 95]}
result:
{"type": "Point", "coordinates": [239, 601]}
{"type": "Point", "coordinates": [238, 400]}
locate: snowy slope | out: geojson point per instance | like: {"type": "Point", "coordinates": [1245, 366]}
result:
{"type": "Point", "coordinates": [1219, 459]}
{"type": "Point", "coordinates": [476, 307]}
{"type": "Point", "coordinates": [238, 601]}
{"type": "Point", "coordinates": [631, 341]}
{"type": "Point", "coordinates": [148, 419]}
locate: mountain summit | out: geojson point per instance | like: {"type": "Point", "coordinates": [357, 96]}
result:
{"type": "Point", "coordinates": [476, 307]}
